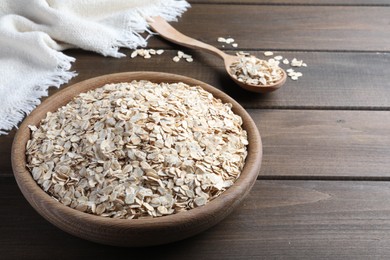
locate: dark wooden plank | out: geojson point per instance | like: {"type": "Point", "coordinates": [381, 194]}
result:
{"type": "Point", "coordinates": [290, 27]}
{"type": "Point", "coordinates": [331, 80]}
{"type": "Point", "coordinates": [5, 153]}
{"type": "Point", "coordinates": [311, 144]}
{"type": "Point", "coordinates": [279, 219]}
{"type": "Point", "coordinates": [294, 2]}
{"type": "Point", "coordinates": [324, 144]}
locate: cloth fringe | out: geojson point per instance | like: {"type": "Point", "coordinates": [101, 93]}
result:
{"type": "Point", "coordinates": [11, 116]}
{"type": "Point", "coordinates": [130, 38]}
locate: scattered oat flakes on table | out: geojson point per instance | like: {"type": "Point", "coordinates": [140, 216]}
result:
{"type": "Point", "coordinates": [278, 58]}
{"type": "Point", "coordinates": [145, 53]}
{"type": "Point", "coordinates": [294, 63]}
{"type": "Point", "coordinates": [181, 55]}
{"type": "Point", "coordinates": [268, 53]}
{"type": "Point", "coordinates": [228, 40]}
{"type": "Point", "coordinates": [221, 39]}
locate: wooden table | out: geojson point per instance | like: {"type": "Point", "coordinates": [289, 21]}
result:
{"type": "Point", "coordinates": [323, 190]}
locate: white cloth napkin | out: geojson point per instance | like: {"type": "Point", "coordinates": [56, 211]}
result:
{"type": "Point", "coordinates": [34, 32]}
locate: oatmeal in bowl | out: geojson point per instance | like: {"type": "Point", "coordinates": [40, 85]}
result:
{"type": "Point", "coordinates": [123, 158]}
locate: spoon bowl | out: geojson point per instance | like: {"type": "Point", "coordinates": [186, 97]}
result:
{"type": "Point", "coordinates": [230, 59]}
{"type": "Point", "coordinates": [159, 25]}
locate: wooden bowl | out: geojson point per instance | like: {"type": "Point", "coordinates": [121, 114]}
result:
{"type": "Point", "coordinates": [136, 232]}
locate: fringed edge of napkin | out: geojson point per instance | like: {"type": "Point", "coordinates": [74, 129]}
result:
{"type": "Point", "coordinates": [23, 106]}
{"type": "Point", "coordinates": [137, 22]}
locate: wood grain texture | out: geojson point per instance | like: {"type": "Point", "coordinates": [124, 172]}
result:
{"type": "Point", "coordinates": [289, 27]}
{"type": "Point", "coordinates": [5, 153]}
{"type": "Point", "coordinates": [332, 124]}
{"type": "Point", "coordinates": [295, 2]}
{"type": "Point", "coordinates": [313, 144]}
{"type": "Point", "coordinates": [279, 219]}
{"type": "Point", "coordinates": [331, 80]}
{"type": "Point", "coordinates": [138, 232]}
{"type": "Point", "coordinates": [324, 144]}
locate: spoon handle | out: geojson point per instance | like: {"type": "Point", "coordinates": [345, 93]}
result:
{"type": "Point", "coordinates": [159, 25]}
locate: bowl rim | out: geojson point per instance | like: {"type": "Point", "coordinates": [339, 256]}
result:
{"type": "Point", "coordinates": [44, 204]}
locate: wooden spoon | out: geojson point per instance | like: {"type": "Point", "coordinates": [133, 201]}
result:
{"type": "Point", "coordinates": [159, 25]}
